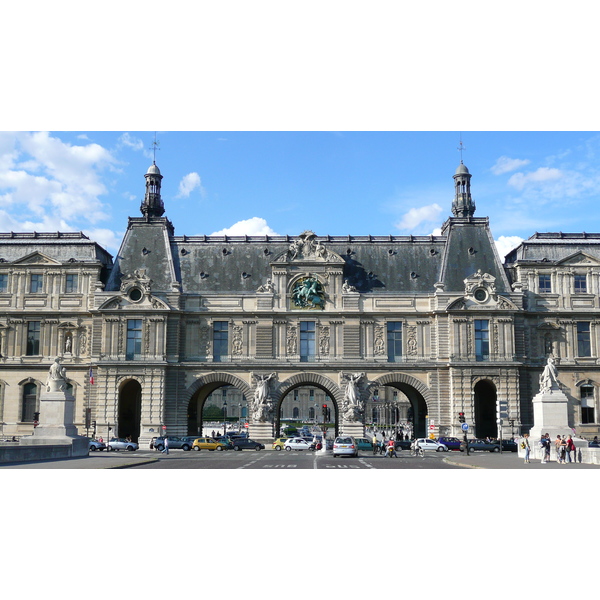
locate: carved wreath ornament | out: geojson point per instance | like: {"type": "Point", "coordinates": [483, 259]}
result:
{"type": "Point", "coordinates": [308, 293]}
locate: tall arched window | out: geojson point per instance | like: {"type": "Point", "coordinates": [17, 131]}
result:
{"type": "Point", "coordinates": [29, 402]}
{"type": "Point", "coordinates": [296, 413]}
{"type": "Point", "coordinates": [311, 413]}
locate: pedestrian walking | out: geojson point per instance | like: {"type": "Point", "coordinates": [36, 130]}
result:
{"type": "Point", "coordinates": [375, 442]}
{"type": "Point", "coordinates": [382, 449]}
{"type": "Point", "coordinates": [544, 445]}
{"type": "Point", "coordinates": [557, 443]}
{"type": "Point", "coordinates": [563, 450]}
{"type": "Point", "coordinates": [525, 445]}
{"type": "Point", "coordinates": [165, 450]}
{"type": "Point", "coordinates": [571, 448]}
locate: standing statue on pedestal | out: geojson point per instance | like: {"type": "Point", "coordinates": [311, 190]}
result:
{"type": "Point", "coordinates": [352, 408]}
{"type": "Point", "coordinates": [261, 407]}
{"type": "Point", "coordinates": [57, 377]}
{"type": "Point", "coordinates": [549, 377]}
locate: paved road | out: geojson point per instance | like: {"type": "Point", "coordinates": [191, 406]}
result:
{"type": "Point", "coordinates": [272, 460]}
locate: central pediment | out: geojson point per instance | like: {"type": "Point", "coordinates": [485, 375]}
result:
{"type": "Point", "coordinates": [308, 249]}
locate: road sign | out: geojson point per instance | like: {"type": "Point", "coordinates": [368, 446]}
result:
{"type": "Point", "coordinates": [432, 427]}
{"type": "Point", "coordinates": [465, 427]}
{"type": "Point", "coordinates": [246, 425]}
{"type": "Point", "coordinates": [164, 426]}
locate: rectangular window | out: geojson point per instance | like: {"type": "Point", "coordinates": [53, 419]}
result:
{"type": "Point", "coordinates": [482, 340]}
{"type": "Point", "coordinates": [134, 339]}
{"type": "Point", "coordinates": [36, 283]}
{"type": "Point", "coordinates": [71, 284]}
{"type": "Point", "coordinates": [33, 338]}
{"type": "Point", "coordinates": [3, 283]}
{"type": "Point", "coordinates": [584, 347]}
{"type": "Point", "coordinates": [545, 284]}
{"type": "Point", "coordinates": [580, 284]}
{"type": "Point", "coordinates": [587, 404]}
{"type": "Point", "coordinates": [307, 341]}
{"type": "Point", "coordinates": [220, 341]}
{"type": "Point", "coordinates": [394, 341]}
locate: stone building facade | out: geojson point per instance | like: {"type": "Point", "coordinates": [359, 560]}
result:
{"type": "Point", "coordinates": [421, 327]}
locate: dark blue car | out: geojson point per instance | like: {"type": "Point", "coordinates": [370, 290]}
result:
{"type": "Point", "coordinates": [451, 442]}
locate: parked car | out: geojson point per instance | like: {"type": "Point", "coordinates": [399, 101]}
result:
{"type": "Point", "coordinates": [121, 444]}
{"type": "Point", "coordinates": [297, 444]}
{"type": "Point", "coordinates": [509, 446]}
{"type": "Point", "coordinates": [175, 443]}
{"type": "Point", "coordinates": [247, 444]}
{"type": "Point", "coordinates": [593, 444]}
{"type": "Point", "coordinates": [279, 443]}
{"type": "Point", "coordinates": [364, 444]}
{"type": "Point", "coordinates": [452, 443]}
{"type": "Point", "coordinates": [206, 443]}
{"type": "Point", "coordinates": [345, 445]}
{"type": "Point", "coordinates": [428, 444]}
{"type": "Point", "coordinates": [483, 445]}
{"type": "Point", "coordinates": [403, 444]}
{"type": "Point", "coordinates": [96, 445]}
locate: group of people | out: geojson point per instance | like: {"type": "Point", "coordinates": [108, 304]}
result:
{"type": "Point", "coordinates": [564, 445]}
{"type": "Point", "coordinates": [388, 448]}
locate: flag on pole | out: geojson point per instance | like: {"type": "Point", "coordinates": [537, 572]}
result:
{"type": "Point", "coordinates": [91, 376]}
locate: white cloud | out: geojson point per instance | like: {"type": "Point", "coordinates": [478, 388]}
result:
{"type": "Point", "coordinates": [132, 142]}
{"type": "Point", "coordinates": [253, 226]}
{"type": "Point", "coordinates": [188, 184]}
{"type": "Point", "coordinates": [107, 238]}
{"type": "Point", "coordinates": [415, 216]}
{"type": "Point", "coordinates": [506, 243]}
{"type": "Point", "coordinates": [541, 175]}
{"type": "Point", "coordinates": [505, 164]}
{"type": "Point", "coordinates": [46, 181]}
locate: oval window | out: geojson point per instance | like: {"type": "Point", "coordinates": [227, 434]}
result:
{"type": "Point", "coordinates": [480, 295]}
{"type": "Point", "coordinates": [135, 295]}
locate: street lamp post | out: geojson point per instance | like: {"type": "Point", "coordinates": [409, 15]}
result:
{"type": "Point", "coordinates": [224, 417]}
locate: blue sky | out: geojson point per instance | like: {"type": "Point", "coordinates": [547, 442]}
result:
{"type": "Point", "coordinates": [337, 183]}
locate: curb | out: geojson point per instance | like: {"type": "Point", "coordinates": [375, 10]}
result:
{"type": "Point", "coordinates": [134, 464]}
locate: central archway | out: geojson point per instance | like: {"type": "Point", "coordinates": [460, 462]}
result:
{"type": "Point", "coordinates": [485, 409]}
{"type": "Point", "coordinates": [333, 397]}
{"type": "Point", "coordinates": [417, 393]}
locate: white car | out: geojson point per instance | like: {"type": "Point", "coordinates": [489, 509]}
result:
{"type": "Point", "coordinates": [428, 444]}
{"type": "Point", "coordinates": [345, 444]}
{"type": "Point", "coordinates": [296, 444]}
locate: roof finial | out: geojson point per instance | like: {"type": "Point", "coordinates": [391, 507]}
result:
{"type": "Point", "coordinates": [461, 148]}
{"type": "Point", "coordinates": [155, 147]}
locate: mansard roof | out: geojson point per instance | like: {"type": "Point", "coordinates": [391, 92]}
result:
{"type": "Point", "coordinates": [58, 247]}
{"type": "Point", "coordinates": [555, 247]}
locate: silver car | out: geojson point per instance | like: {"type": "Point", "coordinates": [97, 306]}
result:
{"type": "Point", "coordinates": [345, 444]}
{"type": "Point", "coordinates": [121, 444]}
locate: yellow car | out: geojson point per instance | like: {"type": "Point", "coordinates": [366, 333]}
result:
{"type": "Point", "coordinates": [205, 443]}
{"type": "Point", "coordinates": [279, 443]}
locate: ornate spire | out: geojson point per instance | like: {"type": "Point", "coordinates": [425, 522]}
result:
{"type": "Point", "coordinates": [153, 206]}
{"type": "Point", "coordinates": [463, 205]}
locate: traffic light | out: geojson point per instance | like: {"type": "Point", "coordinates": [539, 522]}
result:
{"type": "Point", "coordinates": [324, 408]}
{"type": "Point", "coordinates": [461, 417]}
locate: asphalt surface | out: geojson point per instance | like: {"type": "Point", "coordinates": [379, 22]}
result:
{"type": "Point", "coordinates": [270, 459]}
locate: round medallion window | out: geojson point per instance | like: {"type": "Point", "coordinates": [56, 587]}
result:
{"type": "Point", "coordinates": [480, 295]}
{"type": "Point", "coordinates": [135, 294]}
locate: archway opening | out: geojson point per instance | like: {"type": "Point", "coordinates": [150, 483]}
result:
{"type": "Point", "coordinates": [309, 406]}
{"type": "Point", "coordinates": [218, 407]}
{"type": "Point", "coordinates": [130, 410]}
{"type": "Point", "coordinates": [485, 409]}
{"type": "Point", "coordinates": [398, 409]}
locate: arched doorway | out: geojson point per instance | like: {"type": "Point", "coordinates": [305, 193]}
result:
{"type": "Point", "coordinates": [400, 400]}
{"type": "Point", "coordinates": [217, 403]}
{"type": "Point", "coordinates": [485, 409]}
{"type": "Point", "coordinates": [130, 410]}
{"type": "Point", "coordinates": [307, 400]}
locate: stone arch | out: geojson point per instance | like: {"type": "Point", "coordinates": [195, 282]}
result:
{"type": "Point", "coordinates": [195, 396]}
{"type": "Point", "coordinates": [485, 396]}
{"type": "Point", "coordinates": [125, 379]}
{"type": "Point", "coordinates": [421, 397]}
{"type": "Point", "coordinates": [129, 406]}
{"type": "Point", "coordinates": [307, 379]}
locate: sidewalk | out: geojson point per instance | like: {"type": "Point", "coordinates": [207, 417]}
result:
{"type": "Point", "coordinates": [95, 460]}
{"type": "Point", "coordinates": [506, 460]}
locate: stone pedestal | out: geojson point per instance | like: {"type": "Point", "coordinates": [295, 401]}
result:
{"type": "Point", "coordinates": [356, 430]}
{"type": "Point", "coordinates": [261, 432]}
{"type": "Point", "coordinates": [56, 426]}
{"type": "Point", "coordinates": [550, 415]}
